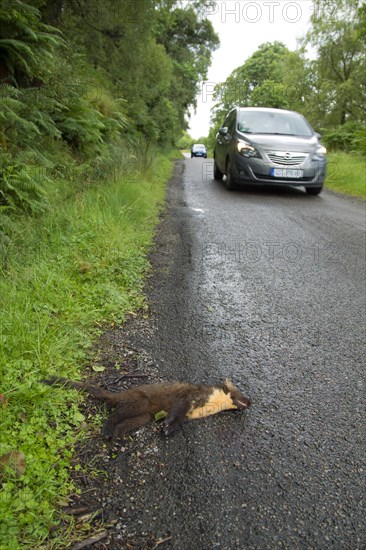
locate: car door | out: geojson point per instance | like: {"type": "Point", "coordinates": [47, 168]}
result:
{"type": "Point", "coordinates": [223, 140]}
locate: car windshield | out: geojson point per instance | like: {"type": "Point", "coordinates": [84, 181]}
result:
{"type": "Point", "coordinates": [266, 122]}
{"type": "Point", "coordinates": [199, 147]}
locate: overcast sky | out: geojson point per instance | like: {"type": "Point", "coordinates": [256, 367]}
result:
{"type": "Point", "coordinates": [242, 26]}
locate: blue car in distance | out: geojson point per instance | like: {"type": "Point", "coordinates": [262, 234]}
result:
{"type": "Point", "coordinates": [199, 150]}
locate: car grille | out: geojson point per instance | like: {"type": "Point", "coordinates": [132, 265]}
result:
{"type": "Point", "coordinates": [286, 158]}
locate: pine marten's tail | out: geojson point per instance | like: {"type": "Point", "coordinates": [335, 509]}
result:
{"type": "Point", "coordinates": [95, 391]}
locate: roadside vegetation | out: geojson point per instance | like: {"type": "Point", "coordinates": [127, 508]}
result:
{"type": "Point", "coordinates": [64, 279]}
{"type": "Point", "coordinates": [346, 174]}
{"type": "Point", "coordinates": [89, 112]}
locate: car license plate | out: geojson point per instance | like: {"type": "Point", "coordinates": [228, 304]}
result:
{"type": "Point", "coordinates": [286, 173]}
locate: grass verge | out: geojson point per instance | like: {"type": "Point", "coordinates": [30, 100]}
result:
{"type": "Point", "coordinates": [347, 174]}
{"type": "Point", "coordinates": [61, 278]}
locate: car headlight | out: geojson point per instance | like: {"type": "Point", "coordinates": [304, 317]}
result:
{"type": "Point", "coordinates": [319, 153]}
{"type": "Point", "coordinates": [247, 150]}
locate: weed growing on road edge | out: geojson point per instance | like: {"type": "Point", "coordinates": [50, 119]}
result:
{"type": "Point", "coordinates": [62, 276]}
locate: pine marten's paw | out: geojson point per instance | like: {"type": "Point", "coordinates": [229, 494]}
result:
{"type": "Point", "coordinates": [107, 430]}
{"type": "Point", "coordinates": [168, 429]}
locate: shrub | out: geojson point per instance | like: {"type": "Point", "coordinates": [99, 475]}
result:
{"type": "Point", "coordinates": [350, 137]}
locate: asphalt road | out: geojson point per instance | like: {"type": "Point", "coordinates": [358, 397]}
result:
{"type": "Point", "coordinates": [267, 287]}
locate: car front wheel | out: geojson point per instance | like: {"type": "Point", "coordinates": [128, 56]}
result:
{"type": "Point", "coordinates": [230, 183]}
{"type": "Point", "coordinates": [218, 175]}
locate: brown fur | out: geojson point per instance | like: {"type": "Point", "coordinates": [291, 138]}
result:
{"type": "Point", "coordinates": [137, 406]}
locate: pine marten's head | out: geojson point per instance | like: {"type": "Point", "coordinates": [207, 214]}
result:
{"type": "Point", "coordinates": [239, 401]}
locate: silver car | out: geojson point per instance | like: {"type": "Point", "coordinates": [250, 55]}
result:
{"type": "Point", "coordinates": [269, 147]}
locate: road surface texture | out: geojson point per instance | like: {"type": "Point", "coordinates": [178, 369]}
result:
{"type": "Point", "coordinates": [267, 287]}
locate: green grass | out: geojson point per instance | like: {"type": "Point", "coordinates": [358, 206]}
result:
{"type": "Point", "coordinates": [62, 277]}
{"type": "Point", "coordinates": [347, 174]}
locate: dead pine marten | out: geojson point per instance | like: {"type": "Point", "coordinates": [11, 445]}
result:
{"type": "Point", "coordinates": [135, 407]}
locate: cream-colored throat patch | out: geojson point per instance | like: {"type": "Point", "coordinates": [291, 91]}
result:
{"type": "Point", "coordinates": [218, 401]}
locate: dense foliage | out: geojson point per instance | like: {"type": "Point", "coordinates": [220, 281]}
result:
{"type": "Point", "coordinates": [77, 77]}
{"type": "Point", "coordinates": [329, 90]}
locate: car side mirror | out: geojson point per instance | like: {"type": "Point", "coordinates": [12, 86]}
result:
{"type": "Point", "coordinates": [318, 135]}
{"type": "Point", "coordinates": [223, 131]}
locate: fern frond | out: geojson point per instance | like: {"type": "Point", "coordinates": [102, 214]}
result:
{"type": "Point", "coordinates": [15, 44]}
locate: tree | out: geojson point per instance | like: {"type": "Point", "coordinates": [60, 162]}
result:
{"type": "Point", "coordinates": [155, 52]}
{"type": "Point", "coordinates": [189, 40]}
{"type": "Point", "coordinates": [270, 93]}
{"type": "Point", "coordinates": [258, 82]}
{"type": "Point", "coordinates": [338, 36]}
{"type": "Point", "coordinates": [185, 141]}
